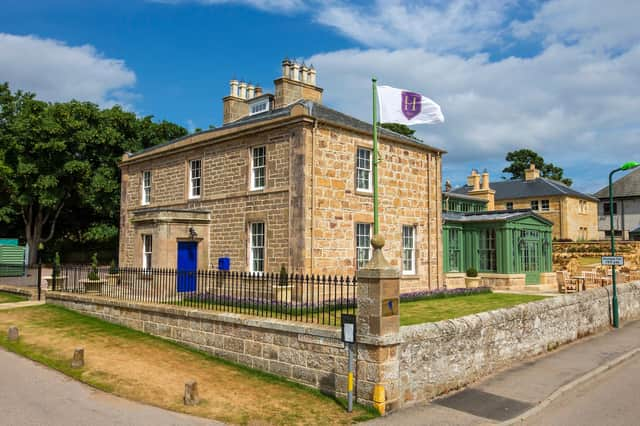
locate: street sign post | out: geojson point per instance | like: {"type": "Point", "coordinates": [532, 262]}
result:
{"type": "Point", "coordinates": [349, 337]}
{"type": "Point", "coordinates": [612, 260]}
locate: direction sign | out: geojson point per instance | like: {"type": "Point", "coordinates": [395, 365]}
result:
{"type": "Point", "coordinates": [613, 260]}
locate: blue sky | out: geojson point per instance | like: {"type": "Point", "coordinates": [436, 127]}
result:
{"type": "Point", "coordinates": [561, 77]}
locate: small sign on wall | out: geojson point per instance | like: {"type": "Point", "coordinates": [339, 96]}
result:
{"type": "Point", "coordinates": [390, 307]}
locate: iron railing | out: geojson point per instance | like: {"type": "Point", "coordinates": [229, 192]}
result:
{"type": "Point", "coordinates": [308, 298]}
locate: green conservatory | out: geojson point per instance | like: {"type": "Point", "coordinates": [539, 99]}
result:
{"type": "Point", "coordinates": [507, 248]}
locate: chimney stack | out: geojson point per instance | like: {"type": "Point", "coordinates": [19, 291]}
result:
{"type": "Point", "coordinates": [531, 173]}
{"type": "Point", "coordinates": [473, 180]}
{"type": "Point", "coordinates": [258, 91]}
{"type": "Point", "coordinates": [485, 180]}
{"type": "Point", "coordinates": [298, 82]}
{"type": "Point", "coordinates": [481, 188]}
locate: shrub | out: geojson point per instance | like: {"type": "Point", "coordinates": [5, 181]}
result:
{"type": "Point", "coordinates": [113, 268]}
{"type": "Point", "coordinates": [93, 275]}
{"type": "Point", "coordinates": [56, 265]}
{"type": "Point", "coordinates": [283, 276]}
{"type": "Point", "coordinates": [442, 293]}
{"type": "Point", "coordinates": [472, 272]}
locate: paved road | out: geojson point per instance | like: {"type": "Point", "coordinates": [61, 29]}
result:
{"type": "Point", "coordinates": [31, 394]}
{"type": "Point", "coordinates": [610, 399]}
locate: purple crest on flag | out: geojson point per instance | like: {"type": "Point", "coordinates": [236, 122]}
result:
{"type": "Point", "coordinates": [411, 104]}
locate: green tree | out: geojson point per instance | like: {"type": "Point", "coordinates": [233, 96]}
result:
{"type": "Point", "coordinates": [59, 165]}
{"type": "Point", "coordinates": [521, 160]}
{"type": "Point", "coordinates": [399, 128]}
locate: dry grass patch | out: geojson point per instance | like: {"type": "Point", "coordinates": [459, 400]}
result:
{"type": "Point", "coordinates": [148, 369]}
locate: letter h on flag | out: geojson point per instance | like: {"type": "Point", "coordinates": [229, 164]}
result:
{"type": "Point", "coordinates": [405, 107]}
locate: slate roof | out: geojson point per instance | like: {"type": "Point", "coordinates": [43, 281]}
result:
{"type": "Point", "coordinates": [635, 231]}
{"type": "Point", "coordinates": [627, 186]}
{"type": "Point", "coordinates": [446, 194]}
{"type": "Point", "coordinates": [492, 216]}
{"type": "Point", "coordinates": [316, 110]}
{"type": "Point", "coordinates": [540, 187]}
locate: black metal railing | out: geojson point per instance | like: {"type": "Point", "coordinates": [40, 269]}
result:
{"type": "Point", "coordinates": [309, 298]}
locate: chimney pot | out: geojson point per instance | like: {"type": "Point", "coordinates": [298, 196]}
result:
{"type": "Point", "coordinates": [485, 180]}
{"type": "Point", "coordinates": [250, 91]}
{"type": "Point", "coordinates": [243, 90]}
{"type": "Point", "coordinates": [233, 84]}
{"type": "Point", "coordinates": [258, 91]}
{"type": "Point", "coordinates": [296, 72]}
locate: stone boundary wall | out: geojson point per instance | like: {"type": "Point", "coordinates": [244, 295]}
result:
{"type": "Point", "coordinates": [309, 354]}
{"type": "Point", "coordinates": [31, 294]}
{"type": "Point", "coordinates": [439, 357]}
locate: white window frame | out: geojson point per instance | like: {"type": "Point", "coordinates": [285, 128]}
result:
{"type": "Point", "coordinates": [545, 205]}
{"type": "Point", "coordinates": [363, 244]}
{"type": "Point", "coordinates": [361, 167]}
{"type": "Point", "coordinates": [146, 188]}
{"type": "Point", "coordinates": [256, 166]}
{"type": "Point", "coordinates": [259, 107]}
{"type": "Point", "coordinates": [257, 247]}
{"type": "Point", "coordinates": [537, 204]}
{"type": "Point", "coordinates": [195, 179]}
{"type": "Point", "coordinates": [408, 249]}
{"type": "Point", "coordinates": [147, 251]}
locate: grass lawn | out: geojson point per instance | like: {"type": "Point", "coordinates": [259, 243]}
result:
{"type": "Point", "coordinates": [432, 310]}
{"type": "Point", "coordinates": [10, 297]}
{"type": "Point", "coordinates": [589, 260]}
{"type": "Point", "coordinates": [144, 368]}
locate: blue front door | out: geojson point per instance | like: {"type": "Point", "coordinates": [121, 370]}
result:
{"type": "Point", "coordinates": [187, 265]}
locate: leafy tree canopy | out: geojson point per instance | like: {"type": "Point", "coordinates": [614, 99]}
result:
{"type": "Point", "coordinates": [399, 128]}
{"type": "Point", "coordinates": [521, 160]}
{"type": "Point", "coordinates": [59, 165]}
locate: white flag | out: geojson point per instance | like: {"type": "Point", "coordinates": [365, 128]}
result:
{"type": "Point", "coordinates": [405, 107]}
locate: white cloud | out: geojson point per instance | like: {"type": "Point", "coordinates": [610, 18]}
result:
{"type": "Point", "coordinates": [275, 6]}
{"type": "Point", "coordinates": [592, 23]}
{"type": "Point", "coordinates": [569, 104]}
{"type": "Point", "coordinates": [461, 25]}
{"type": "Point", "coordinates": [58, 72]}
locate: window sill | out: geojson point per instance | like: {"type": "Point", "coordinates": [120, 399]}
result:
{"type": "Point", "coordinates": [411, 276]}
{"type": "Point", "coordinates": [257, 189]}
{"type": "Point", "coordinates": [364, 193]}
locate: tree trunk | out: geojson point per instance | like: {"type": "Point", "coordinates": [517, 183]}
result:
{"type": "Point", "coordinates": [33, 239]}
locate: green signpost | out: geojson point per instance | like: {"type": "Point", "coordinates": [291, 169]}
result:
{"type": "Point", "coordinates": [614, 303]}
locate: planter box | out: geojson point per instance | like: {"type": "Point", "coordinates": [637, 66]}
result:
{"type": "Point", "coordinates": [113, 279]}
{"type": "Point", "coordinates": [61, 282]}
{"type": "Point", "coordinates": [472, 282]}
{"type": "Point", "coordinates": [92, 286]}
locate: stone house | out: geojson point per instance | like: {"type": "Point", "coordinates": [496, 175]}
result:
{"type": "Point", "coordinates": [626, 207]}
{"type": "Point", "coordinates": [574, 215]}
{"type": "Point", "coordinates": [285, 181]}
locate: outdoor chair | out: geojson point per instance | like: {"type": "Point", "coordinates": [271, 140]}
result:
{"type": "Point", "coordinates": [566, 284]}
{"type": "Point", "coordinates": [591, 280]}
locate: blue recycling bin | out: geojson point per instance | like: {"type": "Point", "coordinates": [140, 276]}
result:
{"type": "Point", "coordinates": [224, 263]}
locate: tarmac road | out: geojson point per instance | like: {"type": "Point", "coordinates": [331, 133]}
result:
{"type": "Point", "coordinates": [31, 394]}
{"type": "Point", "coordinates": [612, 398]}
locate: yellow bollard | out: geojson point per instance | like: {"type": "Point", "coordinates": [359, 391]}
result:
{"type": "Point", "coordinates": [379, 398]}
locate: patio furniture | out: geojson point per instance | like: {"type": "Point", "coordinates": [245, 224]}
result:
{"type": "Point", "coordinates": [567, 284]}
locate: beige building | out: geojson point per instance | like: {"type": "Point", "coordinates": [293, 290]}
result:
{"type": "Point", "coordinates": [285, 181]}
{"type": "Point", "coordinates": [574, 214]}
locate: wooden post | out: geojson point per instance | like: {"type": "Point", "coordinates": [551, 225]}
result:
{"type": "Point", "coordinates": [78, 358]}
{"type": "Point", "coordinates": [13, 334]}
{"type": "Point", "coordinates": [191, 396]}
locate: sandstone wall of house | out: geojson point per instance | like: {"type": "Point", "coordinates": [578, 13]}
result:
{"type": "Point", "coordinates": [409, 182]}
{"type": "Point", "coordinates": [226, 193]}
{"type": "Point", "coordinates": [439, 357]}
{"type": "Point", "coordinates": [569, 221]}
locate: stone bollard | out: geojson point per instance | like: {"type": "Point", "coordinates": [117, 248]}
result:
{"type": "Point", "coordinates": [191, 396]}
{"type": "Point", "coordinates": [78, 358]}
{"type": "Point", "coordinates": [13, 334]}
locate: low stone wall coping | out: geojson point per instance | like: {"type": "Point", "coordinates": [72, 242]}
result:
{"type": "Point", "coordinates": [30, 293]}
{"type": "Point", "coordinates": [227, 317]}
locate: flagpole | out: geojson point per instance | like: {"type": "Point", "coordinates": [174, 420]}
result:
{"type": "Point", "coordinates": [376, 225]}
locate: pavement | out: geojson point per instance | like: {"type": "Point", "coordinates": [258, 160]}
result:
{"type": "Point", "coordinates": [31, 394]}
{"type": "Point", "coordinates": [514, 395]}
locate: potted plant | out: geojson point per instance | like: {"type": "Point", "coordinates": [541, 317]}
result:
{"type": "Point", "coordinates": [472, 280]}
{"type": "Point", "coordinates": [282, 291]}
{"type": "Point", "coordinates": [93, 283]}
{"type": "Point", "coordinates": [56, 280]}
{"type": "Point", "coordinates": [113, 277]}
